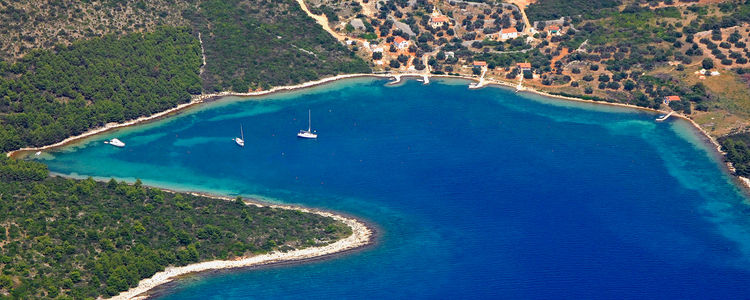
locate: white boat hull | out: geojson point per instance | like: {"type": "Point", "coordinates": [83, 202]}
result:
{"type": "Point", "coordinates": [239, 142]}
{"type": "Point", "coordinates": [307, 135]}
{"type": "Point", "coordinates": [116, 143]}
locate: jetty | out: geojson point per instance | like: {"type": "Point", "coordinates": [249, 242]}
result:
{"type": "Point", "coordinates": [425, 77]}
{"type": "Point", "coordinates": [396, 79]}
{"type": "Point", "coordinates": [664, 117]}
{"type": "Point", "coordinates": [481, 83]}
{"type": "Point", "coordinates": [520, 87]}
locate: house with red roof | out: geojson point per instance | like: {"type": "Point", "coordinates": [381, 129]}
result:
{"type": "Point", "coordinates": [508, 33]}
{"type": "Point", "coordinates": [438, 21]}
{"type": "Point", "coordinates": [668, 99]}
{"type": "Point", "coordinates": [400, 43]}
{"type": "Point", "coordinates": [480, 63]}
{"type": "Point", "coordinates": [553, 29]}
{"type": "Point", "coordinates": [524, 66]}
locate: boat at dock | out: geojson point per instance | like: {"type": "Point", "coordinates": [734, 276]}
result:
{"type": "Point", "coordinates": [115, 142]}
{"type": "Point", "coordinates": [663, 118]}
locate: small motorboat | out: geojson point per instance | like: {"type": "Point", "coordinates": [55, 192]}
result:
{"type": "Point", "coordinates": [115, 142]}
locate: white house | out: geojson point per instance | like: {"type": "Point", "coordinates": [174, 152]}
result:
{"type": "Point", "coordinates": [401, 43]}
{"type": "Point", "coordinates": [508, 33]}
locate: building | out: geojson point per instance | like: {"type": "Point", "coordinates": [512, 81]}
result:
{"type": "Point", "coordinates": [400, 43]}
{"type": "Point", "coordinates": [668, 99]}
{"type": "Point", "coordinates": [439, 21]}
{"type": "Point", "coordinates": [480, 63]}
{"type": "Point", "coordinates": [524, 66]}
{"type": "Point", "coordinates": [508, 33]}
{"type": "Point", "coordinates": [553, 29]}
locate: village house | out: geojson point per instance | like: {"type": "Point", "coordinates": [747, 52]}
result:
{"type": "Point", "coordinates": [400, 43]}
{"type": "Point", "coordinates": [668, 99]}
{"type": "Point", "coordinates": [480, 63]}
{"type": "Point", "coordinates": [553, 29]}
{"type": "Point", "coordinates": [508, 33]}
{"type": "Point", "coordinates": [524, 66]}
{"type": "Point", "coordinates": [438, 21]}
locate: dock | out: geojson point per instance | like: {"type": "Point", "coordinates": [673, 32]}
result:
{"type": "Point", "coordinates": [519, 87]}
{"type": "Point", "coordinates": [481, 83]}
{"type": "Point", "coordinates": [396, 79]}
{"type": "Point", "coordinates": [664, 117]}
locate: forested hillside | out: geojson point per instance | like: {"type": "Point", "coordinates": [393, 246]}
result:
{"type": "Point", "coordinates": [542, 10]}
{"type": "Point", "coordinates": [737, 147]}
{"type": "Point", "coordinates": [52, 94]}
{"type": "Point", "coordinates": [259, 44]}
{"type": "Point", "coordinates": [31, 24]}
{"type": "Point", "coordinates": [80, 238]}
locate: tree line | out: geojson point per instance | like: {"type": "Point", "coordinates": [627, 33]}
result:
{"type": "Point", "coordinates": [50, 95]}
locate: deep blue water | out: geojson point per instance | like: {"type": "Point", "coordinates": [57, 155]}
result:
{"type": "Point", "coordinates": [475, 193]}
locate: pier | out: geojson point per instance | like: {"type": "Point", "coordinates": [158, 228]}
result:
{"type": "Point", "coordinates": [481, 83]}
{"type": "Point", "coordinates": [665, 117]}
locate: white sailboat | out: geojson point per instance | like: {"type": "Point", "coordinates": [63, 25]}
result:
{"type": "Point", "coordinates": [115, 142]}
{"type": "Point", "coordinates": [240, 140]}
{"type": "Point", "coordinates": [307, 134]}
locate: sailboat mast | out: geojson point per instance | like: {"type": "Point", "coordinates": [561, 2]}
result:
{"type": "Point", "coordinates": [242, 134]}
{"type": "Point", "coordinates": [309, 121]}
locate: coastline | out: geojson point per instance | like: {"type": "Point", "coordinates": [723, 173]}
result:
{"type": "Point", "coordinates": [362, 236]}
{"type": "Point", "coordinates": [744, 182]}
{"type": "Point", "coordinates": [197, 99]}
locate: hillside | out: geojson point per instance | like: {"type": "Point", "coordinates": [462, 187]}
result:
{"type": "Point", "coordinates": [50, 95]}
{"type": "Point", "coordinates": [259, 44]}
{"type": "Point", "coordinates": [34, 24]}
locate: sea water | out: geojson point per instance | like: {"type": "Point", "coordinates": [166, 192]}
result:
{"type": "Point", "coordinates": [474, 193]}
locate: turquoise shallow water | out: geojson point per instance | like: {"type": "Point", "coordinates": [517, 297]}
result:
{"type": "Point", "coordinates": [476, 193]}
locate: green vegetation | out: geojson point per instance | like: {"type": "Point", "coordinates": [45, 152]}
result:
{"type": "Point", "coordinates": [50, 95]}
{"type": "Point", "coordinates": [32, 24]}
{"type": "Point", "coordinates": [632, 25]}
{"type": "Point", "coordinates": [737, 147]}
{"type": "Point", "coordinates": [259, 44]}
{"type": "Point", "coordinates": [543, 10]}
{"type": "Point", "coordinates": [83, 239]}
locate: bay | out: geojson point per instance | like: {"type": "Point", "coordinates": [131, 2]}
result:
{"type": "Point", "coordinates": [474, 193]}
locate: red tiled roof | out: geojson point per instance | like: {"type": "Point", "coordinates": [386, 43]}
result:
{"type": "Point", "coordinates": [480, 63]}
{"type": "Point", "coordinates": [524, 65]}
{"type": "Point", "coordinates": [672, 98]}
{"type": "Point", "coordinates": [509, 30]}
{"type": "Point", "coordinates": [554, 27]}
{"type": "Point", "coordinates": [438, 19]}
{"type": "Point", "coordinates": [398, 40]}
